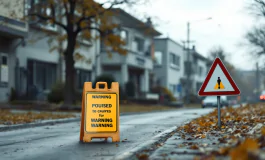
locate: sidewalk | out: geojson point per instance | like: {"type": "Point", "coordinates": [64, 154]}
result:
{"type": "Point", "coordinates": [242, 136]}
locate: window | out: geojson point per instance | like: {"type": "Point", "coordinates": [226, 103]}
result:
{"type": "Point", "coordinates": [44, 10]}
{"type": "Point", "coordinates": [3, 70]}
{"type": "Point", "coordinates": [42, 74]}
{"type": "Point", "coordinates": [172, 88]}
{"type": "Point", "coordinates": [138, 44]}
{"type": "Point", "coordinates": [82, 76]}
{"type": "Point", "coordinates": [158, 58]}
{"type": "Point", "coordinates": [124, 35]}
{"type": "Point", "coordinates": [174, 59]}
{"type": "Point", "coordinates": [200, 71]}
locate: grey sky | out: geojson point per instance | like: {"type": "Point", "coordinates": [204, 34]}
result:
{"type": "Point", "coordinates": [230, 22]}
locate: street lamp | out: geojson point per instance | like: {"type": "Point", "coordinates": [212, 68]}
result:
{"type": "Point", "coordinates": [188, 57]}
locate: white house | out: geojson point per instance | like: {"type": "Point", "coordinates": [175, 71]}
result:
{"type": "Point", "coordinates": [169, 65]}
{"type": "Point", "coordinates": [137, 65]}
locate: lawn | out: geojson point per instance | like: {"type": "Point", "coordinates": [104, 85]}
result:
{"type": "Point", "coordinates": [8, 117]}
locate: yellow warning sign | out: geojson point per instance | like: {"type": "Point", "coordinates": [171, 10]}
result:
{"type": "Point", "coordinates": [101, 112]}
{"type": "Point", "coordinates": [219, 84]}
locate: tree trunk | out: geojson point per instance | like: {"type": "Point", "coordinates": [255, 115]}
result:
{"type": "Point", "coordinates": [69, 94]}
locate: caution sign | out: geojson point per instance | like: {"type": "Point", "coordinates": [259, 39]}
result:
{"type": "Point", "coordinates": [100, 112]}
{"type": "Point", "coordinates": [218, 81]}
{"type": "Point", "coordinates": [219, 84]}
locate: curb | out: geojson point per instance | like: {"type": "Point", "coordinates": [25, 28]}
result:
{"type": "Point", "coordinates": [131, 153]}
{"type": "Point", "coordinates": [162, 137]}
{"type": "Point", "coordinates": [37, 124]}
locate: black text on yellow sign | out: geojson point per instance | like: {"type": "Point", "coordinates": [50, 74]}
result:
{"type": "Point", "coordinates": [101, 112]}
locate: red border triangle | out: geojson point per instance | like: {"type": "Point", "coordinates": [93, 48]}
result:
{"type": "Point", "coordinates": [216, 62]}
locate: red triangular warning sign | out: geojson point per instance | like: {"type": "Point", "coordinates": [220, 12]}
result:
{"type": "Point", "coordinates": [218, 81]}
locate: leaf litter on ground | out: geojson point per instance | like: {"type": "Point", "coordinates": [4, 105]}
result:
{"type": "Point", "coordinates": [242, 132]}
{"type": "Point", "coordinates": [8, 117]}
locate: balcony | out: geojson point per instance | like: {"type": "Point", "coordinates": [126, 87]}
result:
{"type": "Point", "coordinates": [132, 59]}
{"type": "Point", "coordinates": [13, 28]}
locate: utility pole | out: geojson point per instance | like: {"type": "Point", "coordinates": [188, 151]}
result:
{"type": "Point", "coordinates": [257, 80]}
{"type": "Point", "coordinates": [188, 63]}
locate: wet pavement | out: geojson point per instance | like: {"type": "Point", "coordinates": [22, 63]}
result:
{"type": "Point", "coordinates": [61, 141]}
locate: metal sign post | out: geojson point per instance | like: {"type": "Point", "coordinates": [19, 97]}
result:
{"type": "Point", "coordinates": [218, 82]}
{"type": "Point", "coordinates": [219, 111]}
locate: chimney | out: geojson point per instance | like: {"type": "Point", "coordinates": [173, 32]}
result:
{"type": "Point", "coordinates": [149, 21]}
{"type": "Point", "coordinates": [193, 48]}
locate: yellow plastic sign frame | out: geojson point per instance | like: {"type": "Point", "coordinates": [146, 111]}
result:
{"type": "Point", "coordinates": [87, 133]}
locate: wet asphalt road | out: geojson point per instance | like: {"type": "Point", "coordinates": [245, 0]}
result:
{"type": "Point", "coordinates": [61, 141]}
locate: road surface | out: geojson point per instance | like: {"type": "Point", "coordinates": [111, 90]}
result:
{"type": "Point", "coordinates": [61, 141]}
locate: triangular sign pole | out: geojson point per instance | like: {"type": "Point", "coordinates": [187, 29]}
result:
{"type": "Point", "coordinates": [202, 92]}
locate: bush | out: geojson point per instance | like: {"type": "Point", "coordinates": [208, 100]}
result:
{"type": "Point", "coordinates": [57, 93]}
{"type": "Point", "coordinates": [130, 89]}
{"type": "Point", "coordinates": [13, 95]}
{"type": "Point", "coordinates": [164, 91]}
{"type": "Point", "coordinates": [123, 95]}
{"type": "Point", "coordinates": [193, 98]}
{"type": "Point", "coordinates": [104, 78]}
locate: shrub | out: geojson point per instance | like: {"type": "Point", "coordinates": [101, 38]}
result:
{"type": "Point", "coordinates": [56, 94]}
{"type": "Point", "coordinates": [164, 91]}
{"type": "Point", "coordinates": [13, 95]}
{"type": "Point", "coordinates": [130, 89]}
{"type": "Point", "coordinates": [193, 98]}
{"type": "Point", "coordinates": [104, 78]}
{"type": "Point", "coordinates": [122, 94]}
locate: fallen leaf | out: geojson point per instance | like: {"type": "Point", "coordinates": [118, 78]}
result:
{"type": "Point", "coordinates": [195, 147]}
{"type": "Point", "coordinates": [263, 131]}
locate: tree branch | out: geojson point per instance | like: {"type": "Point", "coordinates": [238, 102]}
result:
{"type": "Point", "coordinates": [84, 18]}
{"type": "Point", "coordinates": [48, 18]}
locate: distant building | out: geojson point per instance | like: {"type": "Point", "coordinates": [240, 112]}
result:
{"type": "Point", "coordinates": [169, 65]}
{"type": "Point", "coordinates": [137, 65]}
{"type": "Point", "coordinates": [198, 71]}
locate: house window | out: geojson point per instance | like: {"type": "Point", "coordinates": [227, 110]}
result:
{"type": "Point", "coordinates": [42, 74]}
{"type": "Point", "coordinates": [44, 10]}
{"type": "Point", "coordinates": [158, 58]}
{"type": "Point", "coordinates": [124, 35]}
{"type": "Point", "coordinates": [3, 70]}
{"type": "Point", "coordinates": [200, 71]}
{"type": "Point", "coordinates": [82, 77]}
{"type": "Point", "coordinates": [138, 44]}
{"type": "Point", "coordinates": [172, 88]}
{"type": "Point", "coordinates": [174, 59]}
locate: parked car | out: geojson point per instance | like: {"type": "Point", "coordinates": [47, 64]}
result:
{"type": "Point", "coordinates": [262, 96]}
{"type": "Point", "coordinates": [211, 101]}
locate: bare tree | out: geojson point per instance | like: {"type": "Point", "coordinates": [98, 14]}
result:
{"type": "Point", "coordinates": [256, 36]}
{"type": "Point", "coordinates": [217, 51]}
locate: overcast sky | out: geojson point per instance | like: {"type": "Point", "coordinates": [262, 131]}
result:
{"type": "Point", "coordinates": [230, 21]}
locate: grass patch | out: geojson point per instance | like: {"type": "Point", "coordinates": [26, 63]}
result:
{"type": "Point", "coordinates": [195, 105]}
{"type": "Point", "coordinates": [8, 118]}
{"type": "Point", "coordinates": [142, 108]}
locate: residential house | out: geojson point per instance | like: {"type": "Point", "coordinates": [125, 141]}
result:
{"type": "Point", "coordinates": [137, 65]}
{"type": "Point", "coordinates": [12, 32]}
{"type": "Point", "coordinates": [199, 68]}
{"type": "Point", "coordinates": [169, 65]}
{"type": "Point", "coordinates": [41, 68]}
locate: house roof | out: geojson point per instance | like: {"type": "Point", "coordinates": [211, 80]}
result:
{"type": "Point", "coordinates": [169, 39]}
{"type": "Point", "coordinates": [132, 22]}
